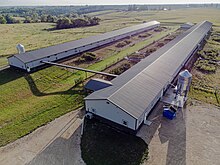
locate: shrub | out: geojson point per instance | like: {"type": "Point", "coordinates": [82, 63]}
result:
{"type": "Point", "coordinates": [120, 44]}
{"type": "Point", "coordinates": [123, 43]}
{"type": "Point", "coordinates": [150, 50]}
{"type": "Point", "coordinates": [205, 66]}
{"type": "Point", "coordinates": [209, 54]}
{"type": "Point", "coordinates": [2, 20]}
{"type": "Point", "coordinates": [127, 42]}
{"type": "Point", "coordinates": [87, 57]}
{"type": "Point", "coordinates": [120, 69]}
{"type": "Point", "coordinates": [144, 35]}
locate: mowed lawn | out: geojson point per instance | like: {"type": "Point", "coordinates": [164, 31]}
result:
{"type": "Point", "coordinates": [28, 101]}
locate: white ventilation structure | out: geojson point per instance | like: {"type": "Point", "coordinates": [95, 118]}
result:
{"type": "Point", "coordinates": [20, 48]}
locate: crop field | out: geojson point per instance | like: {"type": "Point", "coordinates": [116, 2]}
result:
{"type": "Point", "coordinates": [28, 101]}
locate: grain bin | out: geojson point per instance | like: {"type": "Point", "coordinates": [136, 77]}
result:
{"type": "Point", "coordinates": [184, 81]}
{"type": "Point", "coordinates": [20, 48]}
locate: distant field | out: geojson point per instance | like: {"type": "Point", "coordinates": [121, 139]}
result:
{"type": "Point", "coordinates": [38, 35]}
{"type": "Point", "coordinates": [28, 101]}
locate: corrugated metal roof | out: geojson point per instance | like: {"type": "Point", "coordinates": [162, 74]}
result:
{"type": "Point", "coordinates": [45, 52]}
{"type": "Point", "coordinates": [135, 89]}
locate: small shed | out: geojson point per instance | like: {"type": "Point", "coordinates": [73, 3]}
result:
{"type": "Point", "coordinates": [187, 25]}
{"type": "Point", "coordinates": [97, 84]}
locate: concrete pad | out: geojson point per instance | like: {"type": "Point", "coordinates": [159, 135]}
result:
{"type": "Point", "coordinates": [192, 138]}
{"type": "Point", "coordinates": [169, 98]}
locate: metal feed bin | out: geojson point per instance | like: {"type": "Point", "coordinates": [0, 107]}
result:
{"type": "Point", "coordinates": [183, 84]}
{"type": "Point", "coordinates": [20, 48]}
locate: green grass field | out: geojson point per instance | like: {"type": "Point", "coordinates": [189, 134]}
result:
{"type": "Point", "coordinates": [28, 101]}
{"type": "Point", "coordinates": [38, 35]}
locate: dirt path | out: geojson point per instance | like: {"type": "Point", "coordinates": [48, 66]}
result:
{"type": "Point", "coordinates": [56, 143]}
{"type": "Point", "coordinates": [192, 138]}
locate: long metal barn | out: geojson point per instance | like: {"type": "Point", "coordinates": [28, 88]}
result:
{"type": "Point", "coordinates": [30, 60]}
{"type": "Point", "coordinates": [135, 92]}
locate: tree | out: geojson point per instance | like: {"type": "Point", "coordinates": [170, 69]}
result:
{"type": "Point", "coordinates": [35, 17]}
{"type": "Point", "coordinates": [2, 20]}
{"type": "Point", "coordinates": [66, 22]}
{"type": "Point", "coordinates": [10, 19]}
{"type": "Point", "coordinates": [43, 18]}
{"type": "Point", "coordinates": [51, 18]}
{"type": "Point", "coordinates": [28, 20]}
{"type": "Point", "coordinates": [63, 23]}
{"type": "Point", "coordinates": [79, 22]}
{"type": "Point", "coordinates": [94, 21]}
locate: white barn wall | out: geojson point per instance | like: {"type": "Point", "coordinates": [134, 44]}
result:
{"type": "Point", "coordinates": [110, 112]}
{"type": "Point", "coordinates": [149, 108]}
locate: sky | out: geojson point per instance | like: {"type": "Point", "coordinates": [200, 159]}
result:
{"type": "Point", "coordinates": [96, 2]}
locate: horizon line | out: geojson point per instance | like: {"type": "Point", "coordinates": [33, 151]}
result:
{"type": "Point", "coordinates": [35, 5]}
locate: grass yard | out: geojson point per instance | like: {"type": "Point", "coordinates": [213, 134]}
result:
{"type": "Point", "coordinates": [103, 145]}
{"type": "Point", "coordinates": [3, 61]}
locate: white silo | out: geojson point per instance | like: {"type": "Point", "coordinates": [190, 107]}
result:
{"type": "Point", "coordinates": [20, 48]}
{"type": "Point", "coordinates": [183, 84]}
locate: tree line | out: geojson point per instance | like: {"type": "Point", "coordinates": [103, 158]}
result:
{"type": "Point", "coordinates": [67, 22]}
{"type": "Point", "coordinates": [7, 19]}
{"type": "Point", "coordinates": [72, 20]}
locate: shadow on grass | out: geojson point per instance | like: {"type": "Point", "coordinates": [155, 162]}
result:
{"type": "Point", "coordinates": [34, 89]}
{"type": "Point", "coordinates": [104, 145]}
{"type": "Point", "coordinates": [9, 74]}
{"type": "Point", "coordinates": [54, 28]}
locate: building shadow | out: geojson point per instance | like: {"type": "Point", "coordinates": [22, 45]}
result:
{"type": "Point", "coordinates": [174, 133]}
{"type": "Point", "coordinates": [9, 74]}
{"type": "Point", "coordinates": [110, 145]}
{"type": "Point", "coordinates": [171, 133]}
{"type": "Point", "coordinates": [34, 89]}
{"type": "Point", "coordinates": [102, 144]}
